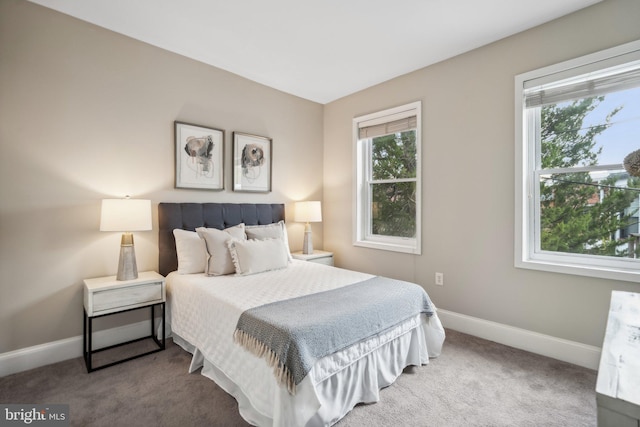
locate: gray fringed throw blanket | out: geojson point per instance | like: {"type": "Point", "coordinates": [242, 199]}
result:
{"type": "Point", "coordinates": [292, 334]}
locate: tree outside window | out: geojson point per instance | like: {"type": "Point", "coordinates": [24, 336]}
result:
{"type": "Point", "coordinates": [387, 148]}
{"type": "Point", "coordinates": [577, 208]}
{"type": "Point", "coordinates": [586, 211]}
{"type": "Point", "coordinates": [393, 185]}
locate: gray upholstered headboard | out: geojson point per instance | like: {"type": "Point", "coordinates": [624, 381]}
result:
{"type": "Point", "coordinates": [189, 216]}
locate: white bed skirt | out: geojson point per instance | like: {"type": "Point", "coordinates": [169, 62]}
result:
{"type": "Point", "coordinates": [337, 382]}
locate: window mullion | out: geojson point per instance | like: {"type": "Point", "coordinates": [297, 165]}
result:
{"type": "Point", "coordinates": [391, 181]}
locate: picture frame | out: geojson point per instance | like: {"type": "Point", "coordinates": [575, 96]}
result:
{"type": "Point", "coordinates": [199, 157]}
{"type": "Point", "coordinates": [252, 161]}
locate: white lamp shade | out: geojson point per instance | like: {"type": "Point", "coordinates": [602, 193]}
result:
{"type": "Point", "coordinates": [308, 212]}
{"type": "Point", "coordinates": [125, 215]}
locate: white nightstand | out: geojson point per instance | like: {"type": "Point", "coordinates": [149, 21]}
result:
{"type": "Point", "coordinates": [321, 257]}
{"type": "Point", "coordinates": [106, 295]}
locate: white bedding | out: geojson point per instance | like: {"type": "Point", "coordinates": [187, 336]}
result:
{"type": "Point", "coordinates": [203, 312]}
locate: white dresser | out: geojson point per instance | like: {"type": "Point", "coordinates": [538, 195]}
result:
{"type": "Point", "coordinates": [618, 384]}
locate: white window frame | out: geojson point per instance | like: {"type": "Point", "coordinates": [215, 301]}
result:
{"type": "Point", "coordinates": [527, 255]}
{"type": "Point", "coordinates": [362, 206]}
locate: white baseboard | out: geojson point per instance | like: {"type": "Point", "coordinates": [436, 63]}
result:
{"type": "Point", "coordinates": [69, 348]}
{"type": "Point", "coordinates": [546, 345]}
{"type": "Point", "coordinates": [557, 348]}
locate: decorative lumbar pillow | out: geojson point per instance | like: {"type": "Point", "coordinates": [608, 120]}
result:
{"type": "Point", "coordinates": [270, 231]}
{"type": "Point", "coordinates": [256, 256]}
{"type": "Point", "coordinates": [191, 252]}
{"type": "Point", "coordinates": [219, 261]}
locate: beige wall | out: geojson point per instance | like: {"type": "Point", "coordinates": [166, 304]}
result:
{"type": "Point", "coordinates": [468, 180]}
{"type": "Point", "coordinates": [87, 114]}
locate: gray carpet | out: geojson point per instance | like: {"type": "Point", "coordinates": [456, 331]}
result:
{"type": "Point", "coordinates": [473, 383]}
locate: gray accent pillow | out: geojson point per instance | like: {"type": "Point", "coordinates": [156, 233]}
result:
{"type": "Point", "coordinates": [270, 231]}
{"type": "Point", "coordinates": [219, 260]}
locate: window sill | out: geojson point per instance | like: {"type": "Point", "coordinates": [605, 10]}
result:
{"type": "Point", "coordinates": [384, 246]}
{"type": "Point", "coordinates": [610, 273]}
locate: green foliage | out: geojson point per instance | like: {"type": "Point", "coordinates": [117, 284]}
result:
{"type": "Point", "coordinates": [564, 141]}
{"type": "Point", "coordinates": [579, 215]}
{"type": "Point", "coordinates": [394, 156]}
{"type": "Point", "coordinates": [394, 203]}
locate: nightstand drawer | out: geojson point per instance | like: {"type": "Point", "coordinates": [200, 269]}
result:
{"type": "Point", "coordinates": [327, 260]}
{"type": "Point", "coordinates": [122, 298]}
{"type": "Point", "coordinates": [318, 256]}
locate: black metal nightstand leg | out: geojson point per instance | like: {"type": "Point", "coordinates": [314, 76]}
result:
{"type": "Point", "coordinates": [84, 336]}
{"type": "Point", "coordinates": [88, 332]}
{"type": "Point", "coordinates": [153, 320]}
{"type": "Point", "coordinates": [154, 334]}
{"type": "Point", "coordinates": [164, 310]}
{"type": "Point", "coordinates": [89, 351]}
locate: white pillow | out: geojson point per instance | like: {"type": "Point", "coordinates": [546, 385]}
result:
{"type": "Point", "coordinates": [255, 256]}
{"type": "Point", "coordinates": [191, 252]}
{"type": "Point", "coordinates": [270, 231]}
{"type": "Point", "coordinates": [219, 261]}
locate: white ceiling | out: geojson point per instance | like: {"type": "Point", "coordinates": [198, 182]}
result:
{"type": "Point", "coordinates": [320, 50]}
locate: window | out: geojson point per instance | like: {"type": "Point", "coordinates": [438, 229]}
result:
{"type": "Point", "coordinates": [387, 194]}
{"type": "Point", "coordinates": [576, 203]}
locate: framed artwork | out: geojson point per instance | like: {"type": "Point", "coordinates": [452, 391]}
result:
{"type": "Point", "coordinates": [199, 157]}
{"type": "Point", "coordinates": [252, 159]}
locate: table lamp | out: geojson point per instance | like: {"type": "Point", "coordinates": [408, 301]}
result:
{"type": "Point", "coordinates": [126, 215]}
{"type": "Point", "coordinates": [308, 212]}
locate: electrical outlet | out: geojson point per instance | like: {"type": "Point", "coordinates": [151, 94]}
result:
{"type": "Point", "coordinates": [440, 279]}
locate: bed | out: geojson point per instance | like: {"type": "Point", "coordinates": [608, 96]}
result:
{"type": "Point", "coordinates": [205, 310]}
